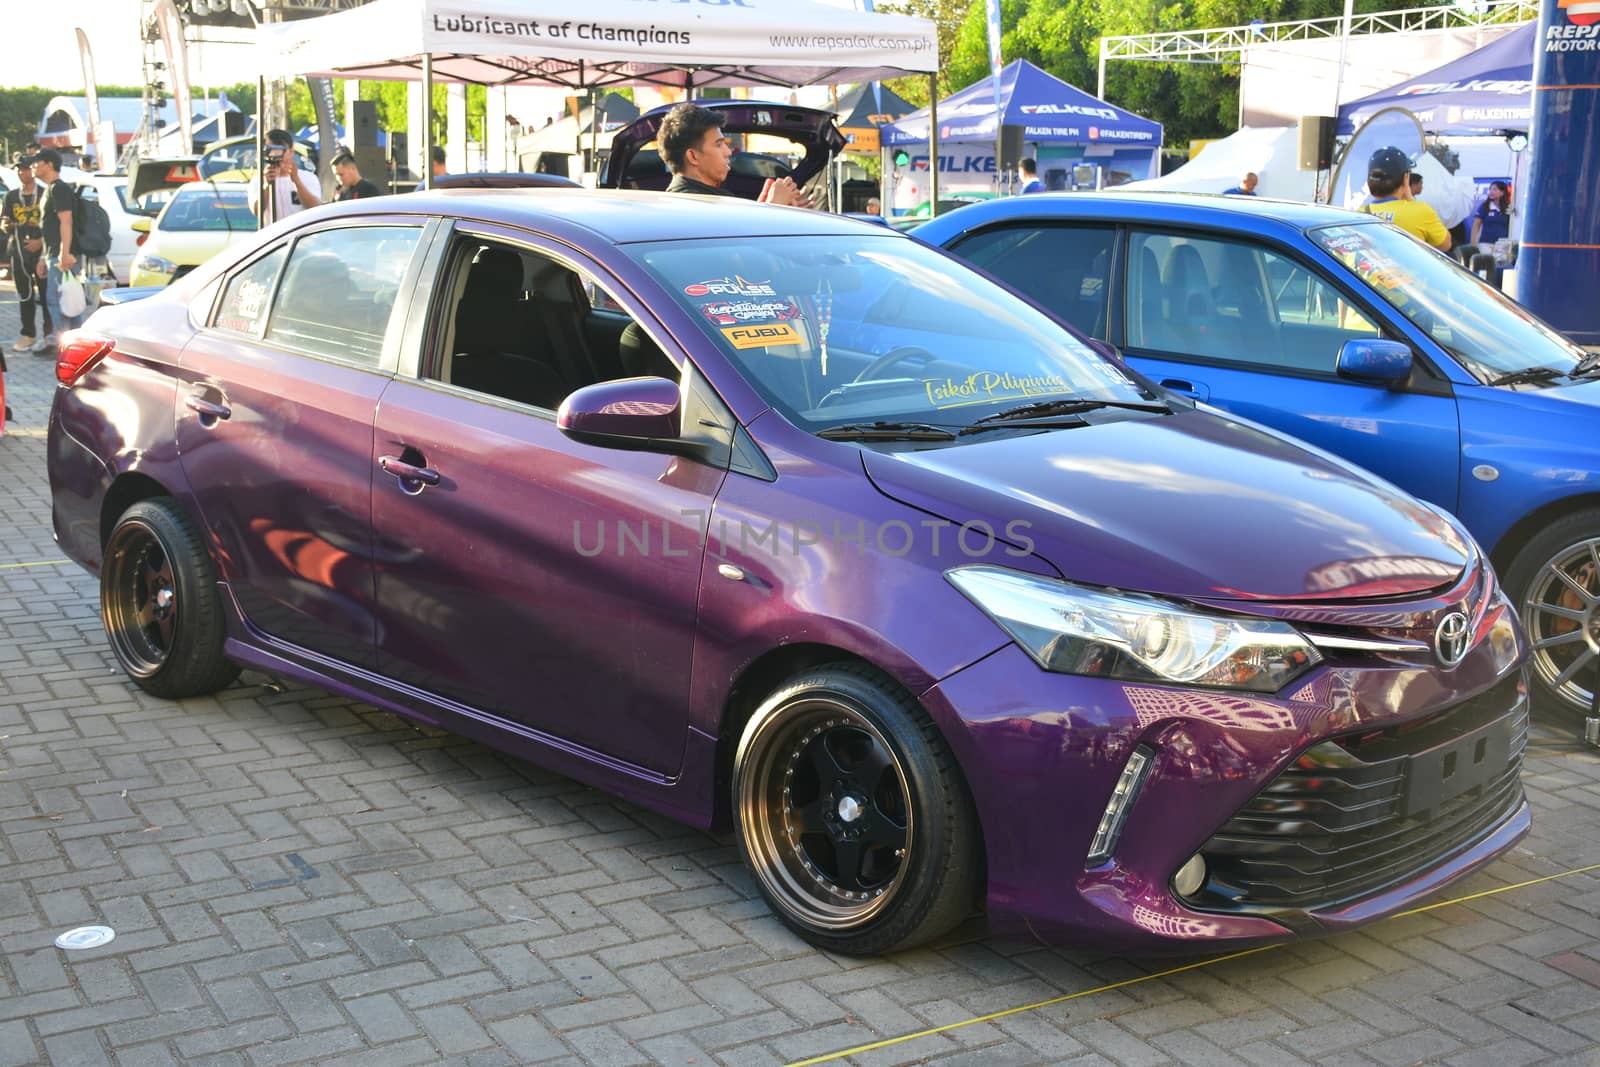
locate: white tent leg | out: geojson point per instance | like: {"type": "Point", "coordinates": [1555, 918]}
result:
{"type": "Point", "coordinates": [933, 145]}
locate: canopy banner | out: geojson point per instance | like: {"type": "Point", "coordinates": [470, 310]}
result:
{"type": "Point", "coordinates": [1047, 108]}
{"type": "Point", "coordinates": [1484, 91]}
{"type": "Point", "coordinates": [735, 42]}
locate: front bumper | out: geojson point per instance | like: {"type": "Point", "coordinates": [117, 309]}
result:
{"type": "Point", "coordinates": [1042, 753]}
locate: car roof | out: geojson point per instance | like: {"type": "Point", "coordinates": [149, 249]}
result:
{"type": "Point", "coordinates": [615, 216]}
{"type": "Point", "coordinates": [1136, 205]}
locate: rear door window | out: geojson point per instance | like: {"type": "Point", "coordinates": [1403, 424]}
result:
{"type": "Point", "coordinates": [339, 291]}
{"type": "Point", "coordinates": [1062, 268]}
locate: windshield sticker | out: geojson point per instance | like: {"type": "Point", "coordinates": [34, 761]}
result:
{"type": "Point", "coordinates": [733, 312]}
{"type": "Point", "coordinates": [778, 333]}
{"type": "Point", "coordinates": [986, 386]}
{"type": "Point", "coordinates": [730, 287]}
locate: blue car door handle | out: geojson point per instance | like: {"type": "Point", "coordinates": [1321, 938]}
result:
{"type": "Point", "coordinates": [1198, 390]}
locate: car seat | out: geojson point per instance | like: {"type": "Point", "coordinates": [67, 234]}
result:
{"type": "Point", "coordinates": [1190, 310]}
{"type": "Point", "coordinates": [491, 338]}
{"type": "Point", "coordinates": [641, 357]}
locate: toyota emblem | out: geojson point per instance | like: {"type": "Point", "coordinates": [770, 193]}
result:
{"type": "Point", "coordinates": [1450, 639]}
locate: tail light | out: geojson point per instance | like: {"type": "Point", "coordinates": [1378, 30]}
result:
{"type": "Point", "coordinates": [77, 354]}
{"type": "Point", "coordinates": [141, 239]}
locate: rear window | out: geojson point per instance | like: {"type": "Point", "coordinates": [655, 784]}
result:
{"type": "Point", "coordinates": [208, 209]}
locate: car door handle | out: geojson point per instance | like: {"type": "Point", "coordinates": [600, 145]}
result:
{"type": "Point", "coordinates": [1195, 389]}
{"type": "Point", "coordinates": [210, 411]}
{"type": "Point", "coordinates": [412, 477]}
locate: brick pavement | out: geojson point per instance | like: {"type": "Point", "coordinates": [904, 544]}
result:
{"type": "Point", "coordinates": [296, 878]}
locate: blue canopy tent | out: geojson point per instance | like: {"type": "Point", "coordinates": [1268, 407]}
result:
{"type": "Point", "coordinates": [1061, 124]}
{"type": "Point", "coordinates": [1484, 91]}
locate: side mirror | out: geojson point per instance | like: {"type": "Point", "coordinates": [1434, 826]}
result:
{"type": "Point", "coordinates": [140, 225]}
{"type": "Point", "coordinates": [1375, 361]}
{"type": "Point", "coordinates": [641, 414]}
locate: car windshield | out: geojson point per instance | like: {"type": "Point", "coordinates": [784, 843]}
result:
{"type": "Point", "coordinates": [240, 155]}
{"type": "Point", "coordinates": [208, 209]}
{"type": "Point", "coordinates": [842, 330]}
{"type": "Point", "coordinates": [1484, 329]}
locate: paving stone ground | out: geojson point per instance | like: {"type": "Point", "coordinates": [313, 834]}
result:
{"type": "Point", "coordinates": [299, 879]}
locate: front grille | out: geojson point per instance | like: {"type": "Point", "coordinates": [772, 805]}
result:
{"type": "Point", "coordinates": [1362, 812]}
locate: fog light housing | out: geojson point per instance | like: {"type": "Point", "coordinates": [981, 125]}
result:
{"type": "Point", "coordinates": [1127, 787]}
{"type": "Point", "coordinates": [1190, 877]}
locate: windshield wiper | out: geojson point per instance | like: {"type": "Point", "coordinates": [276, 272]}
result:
{"type": "Point", "coordinates": [1586, 366]}
{"type": "Point", "coordinates": [1043, 422]}
{"type": "Point", "coordinates": [1528, 376]}
{"type": "Point", "coordinates": [887, 431]}
{"type": "Point", "coordinates": [1065, 406]}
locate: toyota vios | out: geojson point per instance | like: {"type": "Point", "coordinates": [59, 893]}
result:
{"type": "Point", "coordinates": [979, 619]}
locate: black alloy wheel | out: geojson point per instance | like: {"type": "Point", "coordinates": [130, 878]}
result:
{"type": "Point", "coordinates": [853, 815]}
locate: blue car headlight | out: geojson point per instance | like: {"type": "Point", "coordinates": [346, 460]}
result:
{"type": "Point", "coordinates": [1077, 629]}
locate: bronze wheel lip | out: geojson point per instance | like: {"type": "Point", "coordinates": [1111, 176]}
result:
{"type": "Point", "coordinates": [131, 547]}
{"type": "Point", "coordinates": [778, 859]}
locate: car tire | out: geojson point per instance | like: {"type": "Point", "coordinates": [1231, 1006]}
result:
{"type": "Point", "coordinates": [1554, 580]}
{"type": "Point", "coordinates": [160, 603]}
{"type": "Point", "coordinates": [853, 815]}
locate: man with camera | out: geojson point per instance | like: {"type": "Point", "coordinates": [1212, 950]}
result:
{"type": "Point", "coordinates": [21, 217]}
{"type": "Point", "coordinates": [282, 174]}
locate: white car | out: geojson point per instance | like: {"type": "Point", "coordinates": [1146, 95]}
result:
{"type": "Point", "coordinates": [112, 190]}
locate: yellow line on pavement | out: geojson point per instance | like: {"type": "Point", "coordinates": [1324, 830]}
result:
{"type": "Point", "coordinates": [887, 1042]}
{"type": "Point", "coordinates": [35, 563]}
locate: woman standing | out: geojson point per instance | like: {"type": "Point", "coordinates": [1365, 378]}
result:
{"type": "Point", "coordinates": [1493, 221]}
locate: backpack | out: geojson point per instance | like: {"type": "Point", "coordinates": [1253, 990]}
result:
{"type": "Point", "coordinates": [91, 226]}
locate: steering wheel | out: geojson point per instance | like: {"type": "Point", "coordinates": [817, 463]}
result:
{"type": "Point", "coordinates": [893, 358]}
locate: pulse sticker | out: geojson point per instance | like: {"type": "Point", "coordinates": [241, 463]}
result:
{"type": "Point", "coordinates": [729, 287]}
{"type": "Point", "coordinates": [777, 333]}
{"type": "Point", "coordinates": [733, 312]}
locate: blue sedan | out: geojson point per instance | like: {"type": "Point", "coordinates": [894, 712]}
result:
{"type": "Point", "coordinates": [1349, 334]}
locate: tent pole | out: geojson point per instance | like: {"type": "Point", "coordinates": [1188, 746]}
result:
{"type": "Point", "coordinates": [261, 154]}
{"type": "Point", "coordinates": [427, 119]}
{"type": "Point", "coordinates": [933, 145]}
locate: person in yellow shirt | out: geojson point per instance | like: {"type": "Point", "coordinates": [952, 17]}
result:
{"type": "Point", "coordinates": [1388, 180]}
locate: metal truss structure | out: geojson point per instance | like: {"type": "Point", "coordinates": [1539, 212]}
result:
{"type": "Point", "coordinates": [212, 22]}
{"type": "Point", "coordinates": [1229, 43]}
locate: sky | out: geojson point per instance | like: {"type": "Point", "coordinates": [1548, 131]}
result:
{"type": "Point", "coordinates": [50, 57]}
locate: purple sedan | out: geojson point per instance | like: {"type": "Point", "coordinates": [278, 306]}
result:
{"type": "Point", "coordinates": [979, 618]}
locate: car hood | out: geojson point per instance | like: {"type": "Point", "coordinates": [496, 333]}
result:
{"type": "Point", "coordinates": [811, 129]}
{"type": "Point", "coordinates": [1188, 505]}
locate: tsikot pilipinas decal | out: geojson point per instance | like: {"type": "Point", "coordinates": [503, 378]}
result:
{"type": "Point", "coordinates": [986, 386]}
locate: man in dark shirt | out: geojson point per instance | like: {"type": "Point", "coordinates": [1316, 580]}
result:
{"type": "Point", "coordinates": [57, 216]}
{"type": "Point", "coordinates": [699, 157]}
{"type": "Point", "coordinates": [20, 216]}
{"type": "Point", "coordinates": [352, 186]}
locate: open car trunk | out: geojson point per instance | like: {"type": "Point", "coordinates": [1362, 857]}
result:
{"type": "Point", "coordinates": [636, 163]}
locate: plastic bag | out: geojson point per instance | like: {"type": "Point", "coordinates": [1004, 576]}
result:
{"type": "Point", "coordinates": [72, 298]}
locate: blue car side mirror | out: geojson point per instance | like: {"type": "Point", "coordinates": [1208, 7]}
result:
{"type": "Point", "coordinates": [1375, 361]}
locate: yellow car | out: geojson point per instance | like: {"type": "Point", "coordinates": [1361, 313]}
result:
{"type": "Point", "coordinates": [200, 220]}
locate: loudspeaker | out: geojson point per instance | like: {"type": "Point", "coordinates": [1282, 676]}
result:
{"type": "Point", "coordinates": [363, 117]}
{"type": "Point", "coordinates": [371, 162]}
{"type": "Point", "coordinates": [397, 147]}
{"type": "Point", "coordinates": [1010, 147]}
{"type": "Point", "coordinates": [234, 123]}
{"type": "Point", "coordinates": [1316, 141]}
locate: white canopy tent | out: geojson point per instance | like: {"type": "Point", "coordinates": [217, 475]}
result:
{"type": "Point", "coordinates": [604, 42]}
{"type": "Point", "coordinates": [709, 43]}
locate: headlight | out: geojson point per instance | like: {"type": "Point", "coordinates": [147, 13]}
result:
{"type": "Point", "coordinates": [155, 265]}
{"type": "Point", "coordinates": [1075, 629]}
